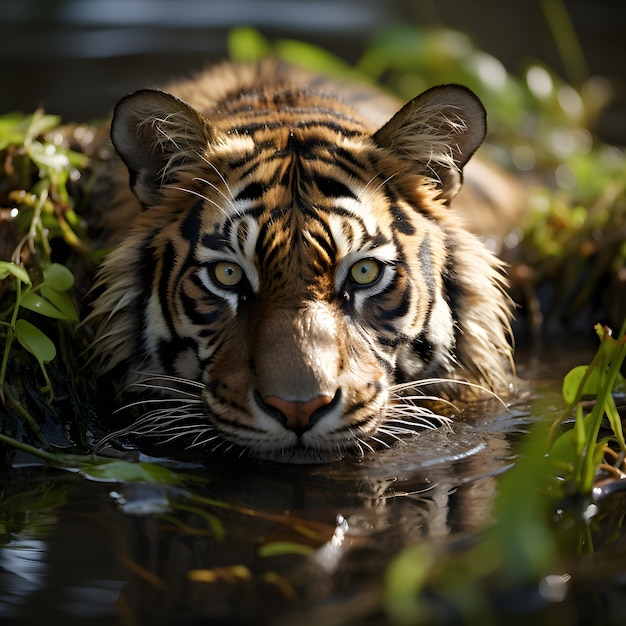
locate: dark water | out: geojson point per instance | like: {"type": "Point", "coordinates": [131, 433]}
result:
{"type": "Point", "coordinates": [76, 551]}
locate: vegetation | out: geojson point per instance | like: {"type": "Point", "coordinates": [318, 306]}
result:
{"type": "Point", "coordinates": [548, 508]}
{"type": "Point", "coordinates": [42, 181]}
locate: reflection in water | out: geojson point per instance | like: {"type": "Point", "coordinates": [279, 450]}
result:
{"type": "Point", "coordinates": [256, 542]}
{"type": "Point", "coordinates": [23, 571]}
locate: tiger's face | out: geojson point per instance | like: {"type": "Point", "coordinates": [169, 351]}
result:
{"type": "Point", "coordinates": [291, 269]}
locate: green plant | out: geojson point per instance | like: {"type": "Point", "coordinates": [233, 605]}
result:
{"type": "Point", "coordinates": [42, 236]}
{"type": "Point", "coordinates": [525, 544]}
{"type": "Point", "coordinates": [49, 298]}
{"type": "Point", "coordinates": [579, 453]}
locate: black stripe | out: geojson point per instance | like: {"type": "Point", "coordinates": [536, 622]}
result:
{"type": "Point", "coordinates": [252, 191]}
{"type": "Point", "coordinates": [191, 225]}
{"type": "Point", "coordinates": [266, 258]}
{"type": "Point", "coordinates": [336, 127]}
{"type": "Point", "coordinates": [350, 157]}
{"type": "Point", "coordinates": [190, 307]}
{"type": "Point", "coordinates": [333, 188]}
{"type": "Point", "coordinates": [420, 345]}
{"type": "Point", "coordinates": [423, 348]}
{"type": "Point", "coordinates": [214, 241]}
{"type": "Point", "coordinates": [326, 244]}
{"type": "Point", "coordinates": [287, 103]}
{"type": "Point", "coordinates": [453, 291]}
{"type": "Point", "coordinates": [167, 264]}
{"type": "Point", "coordinates": [401, 220]}
{"type": "Point", "coordinates": [382, 360]}
{"type": "Point", "coordinates": [401, 309]}
{"type": "Point", "coordinates": [396, 338]}
{"type": "Point", "coordinates": [168, 351]}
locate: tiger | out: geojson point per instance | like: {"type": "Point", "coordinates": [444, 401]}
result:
{"type": "Point", "coordinates": [288, 277]}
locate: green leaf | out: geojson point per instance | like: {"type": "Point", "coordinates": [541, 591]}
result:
{"type": "Point", "coordinates": [100, 468]}
{"type": "Point", "coordinates": [39, 123]}
{"type": "Point", "coordinates": [17, 129]}
{"type": "Point", "coordinates": [35, 341]}
{"type": "Point", "coordinates": [615, 421]}
{"type": "Point", "coordinates": [115, 470]}
{"type": "Point", "coordinates": [34, 302]}
{"type": "Point", "coordinates": [563, 450]}
{"type": "Point", "coordinates": [280, 548]}
{"type": "Point", "coordinates": [573, 379]}
{"type": "Point", "coordinates": [314, 58]}
{"type": "Point", "coordinates": [58, 277]}
{"type": "Point", "coordinates": [405, 579]}
{"type": "Point", "coordinates": [247, 44]}
{"type": "Point", "coordinates": [7, 268]}
{"type": "Point", "coordinates": [47, 156]}
{"type": "Point", "coordinates": [62, 301]}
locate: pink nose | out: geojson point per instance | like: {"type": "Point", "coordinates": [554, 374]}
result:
{"type": "Point", "coordinates": [297, 414]}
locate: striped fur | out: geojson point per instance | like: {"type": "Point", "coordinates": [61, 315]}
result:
{"type": "Point", "coordinates": [263, 174]}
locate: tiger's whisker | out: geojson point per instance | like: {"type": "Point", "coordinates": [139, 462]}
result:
{"type": "Point", "coordinates": [142, 385]}
{"type": "Point", "coordinates": [146, 377]}
{"type": "Point", "coordinates": [191, 192]}
{"type": "Point", "coordinates": [393, 433]}
{"type": "Point", "coordinates": [221, 176]}
{"type": "Point", "coordinates": [438, 381]}
{"type": "Point", "coordinates": [216, 188]}
{"type": "Point", "coordinates": [384, 444]}
{"type": "Point", "coordinates": [183, 402]}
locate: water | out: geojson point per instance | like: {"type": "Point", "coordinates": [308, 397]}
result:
{"type": "Point", "coordinates": [274, 544]}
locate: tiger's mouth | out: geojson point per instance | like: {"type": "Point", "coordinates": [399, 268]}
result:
{"type": "Point", "coordinates": [187, 419]}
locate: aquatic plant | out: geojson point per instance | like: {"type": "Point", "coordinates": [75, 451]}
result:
{"type": "Point", "coordinates": [39, 193]}
{"type": "Point", "coordinates": [579, 452]}
{"type": "Point", "coordinates": [542, 516]}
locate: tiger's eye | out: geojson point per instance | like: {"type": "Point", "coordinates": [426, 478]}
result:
{"type": "Point", "coordinates": [227, 274]}
{"type": "Point", "coordinates": [365, 272]}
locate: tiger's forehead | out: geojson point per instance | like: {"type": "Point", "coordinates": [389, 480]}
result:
{"type": "Point", "coordinates": [296, 168]}
{"type": "Point", "coordinates": [298, 221]}
{"type": "Point", "coordinates": [277, 153]}
{"type": "Point", "coordinates": [274, 111]}
{"type": "Point", "coordinates": [255, 229]}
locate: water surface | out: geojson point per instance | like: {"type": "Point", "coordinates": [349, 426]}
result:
{"type": "Point", "coordinates": [249, 542]}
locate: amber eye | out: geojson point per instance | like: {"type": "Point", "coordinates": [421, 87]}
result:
{"type": "Point", "coordinates": [227, 274]}
{"type": "Point", "coordinates": [365, 272]}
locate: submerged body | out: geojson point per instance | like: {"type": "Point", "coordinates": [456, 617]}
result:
{"type": "Point", "coordinates": [291, 263]}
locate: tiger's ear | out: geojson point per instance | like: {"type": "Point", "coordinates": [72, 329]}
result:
{"type": "Point", "coordinates": [438, 131]}
{"type": "Point", "coordinates": [155, 134]}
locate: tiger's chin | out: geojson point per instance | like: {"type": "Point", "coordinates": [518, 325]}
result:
{"type": "Point", "coordinates": [166, 432]}
{"type": "Point", "coordinates": [196, 443]}
{"type": "Point", "coordinates": [299, 455]}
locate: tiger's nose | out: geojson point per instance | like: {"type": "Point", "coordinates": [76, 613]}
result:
{"type": "Point", "coordinates": [297, 414]}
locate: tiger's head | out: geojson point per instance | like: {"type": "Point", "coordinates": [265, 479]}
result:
{"type": "Point", "coordinates": [292, 270]}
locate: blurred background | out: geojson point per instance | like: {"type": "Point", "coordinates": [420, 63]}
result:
{"type": "Point", "coordinates": [75, 58]}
